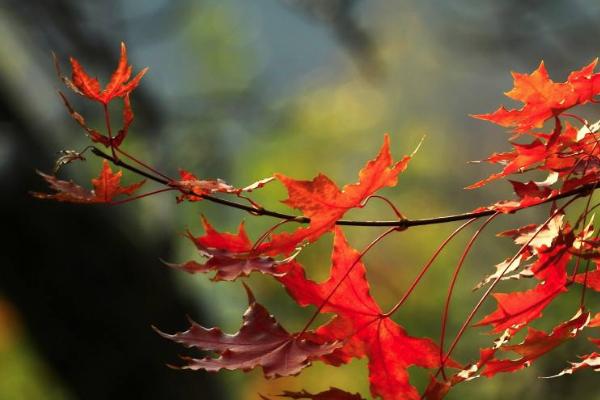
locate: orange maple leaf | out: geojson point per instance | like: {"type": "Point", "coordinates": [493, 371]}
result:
{"type": "Point", "coordinates": [118, 86]}
{"type": "Point", "coordinates": [544, 98]}
{"type": "Point", "coordinates": [360, 323]}
{"type": "Point", "coordinates": [324, 203]}
{"type": "Point", "coordinates": [106, 187]}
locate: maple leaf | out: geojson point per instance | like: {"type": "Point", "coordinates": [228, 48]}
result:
{"type": "Point", "coordinates": [230, 255]}
{"type": "Point", "coordinates": [106, 187]}
{"type": "Point", "coordinates": [437, 390]}
{"type": "Point", "coordinates": [595, 321]}
{"type": "Point", "coordinates": [351, 297]}
{"type": "Point", "coordinates": [518, 232]}
{"type": "Point", "coordinates": [387, 345]}
{"type": "Point", "coordinates": [537, 240]}
{"type": "Point", "coordinates": [234, 242]}
{"type": "Point", "coordinates": [66, 157]}
{"type": "Point", "coordinates": [517, 309]}
{"type": "Point", "coordinates": [560, 155]}
{"type": "Point", "coordinates": [324, 203]}
{"type": "Point", "coordinates": [391, 351]}
{"type": "Point", "coordinates": [127, 120]}
{"type": "Point", "coordinates": [530, 189]}
{"type": "Point", "coordinates": [510, 206]}
{"type": "Point", "coordinates": [118, 86]}
{"type": "Point", "coordinates": [261, 341]}
{"type": "Point", "coordinates": [331, 394]}
{"type": "Point", "coordinates": [524, 156]}
{"type": "Point", "coordinates": [503, 272]}
{"type": "Point", "coordinates": [543, 239]}
{"type": "Point", "coordinates": [535, 193]}
{"type": "Point", "coordinates": [591, 279]}
{"type": "Point", "coordinates": [193, 188]}
{"type": "Point", "coordinates": [591, 360]}
{"type": "Point", "coordinates": [536, 344]}
{"type": "Point", "coordinates": [588, 361]}
{"type": "Point", "coordinates": [344, 329]}
{"type": "Point", "coordinates": [543, 98]}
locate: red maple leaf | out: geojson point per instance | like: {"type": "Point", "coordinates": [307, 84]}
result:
{"type": "Point", "coordinates": [324, 203]}
{"type": "Point", "coordinates": [591, 360]}
{"type": "Point", "coordinates": [517, 309]}
{"type": "Point", "coordinates": [561, 153]}
{"type": "Point", "coordinates": [348, 283]}
{"type": "Point", "coordinates": [543, 98]}
{"type": "Point", "coordinates": [524, 156]}
{"type": "Point", "coordinates": [118, 86]}
{"type": "Point", "coordinates": [595, 321]}
{"type": "Point", "coordinates": [437, 390]}
{"type": "Point", "coordinates": [261, 341]}
{"type": "Point", "coordinates": [518, 232]}
{"type": "Point", "coordinates": [331, 394]}
{"type": "Point", "coordinates": [230, 255]}
{"type": "Point", "coordinates": [538, 241]}
{"type": "Point", "coordinates": [536, 344]}
{"type": "Point", "coordinates": [127, 120]}
{"type": "Point", "coordinates": [391, 351]}
{"type": "Point", "coordinates": [591, 279]}
{"type": "Point", "coordinates": [193, 188]}
{"type": "Point", "coordinates": [530, 189]}
{"type": "Point", "coordinates": [106, 187]}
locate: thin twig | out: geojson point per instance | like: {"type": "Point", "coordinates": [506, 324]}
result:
{"type": "Point", "coordinates": [426, 267]}
{"type": "Point", "coordinates": [446, 311]}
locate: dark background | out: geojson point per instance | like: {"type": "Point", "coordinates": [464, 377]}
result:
{"type": "Point", "coordinates": [239, 90]}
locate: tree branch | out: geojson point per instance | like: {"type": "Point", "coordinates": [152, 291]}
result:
{"type": "Point", "coordinates": [401, 223]}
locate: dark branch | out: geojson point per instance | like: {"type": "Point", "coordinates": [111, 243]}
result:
{"type": "Point", "coordinates": [401, 223]}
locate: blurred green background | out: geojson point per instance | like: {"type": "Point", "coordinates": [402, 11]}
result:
{"type": "Point", "coordinates": [239, 90]}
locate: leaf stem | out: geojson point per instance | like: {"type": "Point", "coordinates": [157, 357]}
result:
{"type": "Point", "coordinates": [141, 196]}
{"type": "Point", "coordinates": [446, 311]}
{"type": "Point", "coordinates": [426, 267]}
{"type": "Point", "coordinates": [109, 130]}
{"type": "Point", "coordinates": [132, 158]}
